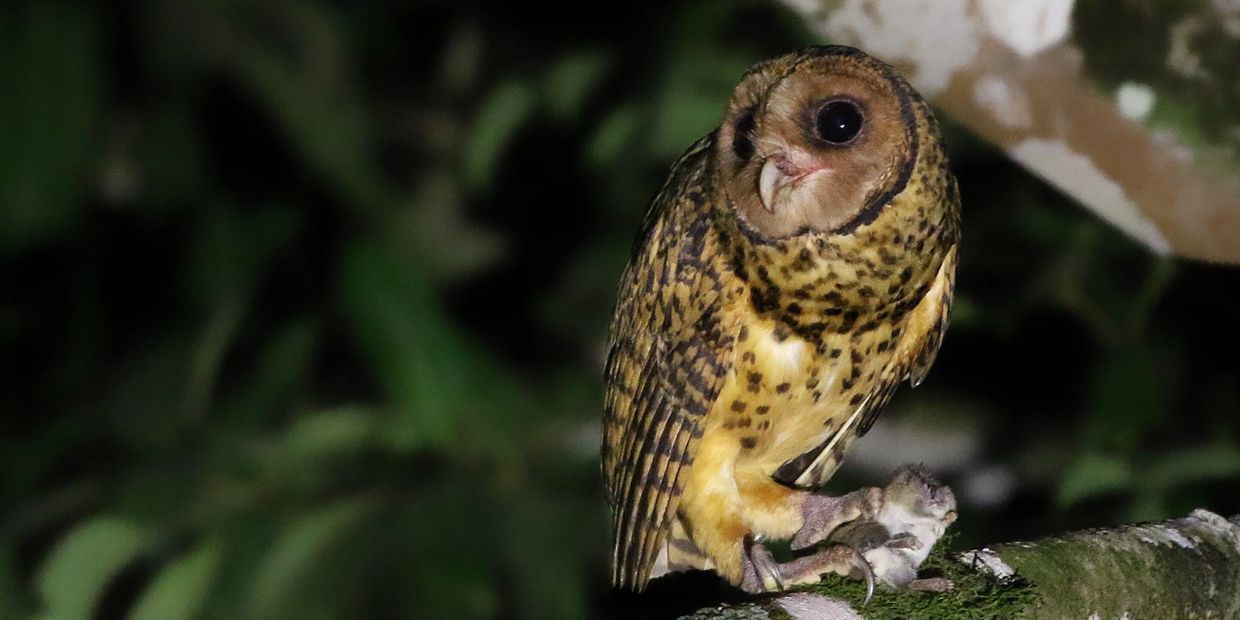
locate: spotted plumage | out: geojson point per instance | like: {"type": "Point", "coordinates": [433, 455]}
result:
{"type": "Point", "coordinates": [796, 266]}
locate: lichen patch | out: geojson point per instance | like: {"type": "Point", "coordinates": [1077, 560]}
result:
{"type": "Point", "coordinates": [1005, 102]}
{"type": "Point", "coordinates": [1172, 536]}
{"type": "Point", "coordinates": [1229, 12]}
{"type": "Point", "coordinates": [1028, 26]}
{"type": "Point", "coordinates": [990, 561]}
{"type": "Point", "coordinates": [1219, 525]}
{"type": "Point", "coordinates": [1135, 101]}
{"type": "Point", "coordinates": [1181, 57]}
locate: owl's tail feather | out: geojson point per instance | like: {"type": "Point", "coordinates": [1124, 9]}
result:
{"type": "Point", "coordinates": [679, 553]}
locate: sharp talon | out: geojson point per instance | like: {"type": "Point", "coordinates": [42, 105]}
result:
{"type": "Point", "coordinates": [777, 578]}
{"type": "Point", "coordinates": [763, 564]}
{"type": "Point", "coordinates": [772, 570]}
{"type": "Point", "coordinates": [859, 562]}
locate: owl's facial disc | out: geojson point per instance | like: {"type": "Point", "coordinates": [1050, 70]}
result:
{"type": "Point", "coordinates": [838, 122]}
{"type": "Point", "coordinates": [817, 144]}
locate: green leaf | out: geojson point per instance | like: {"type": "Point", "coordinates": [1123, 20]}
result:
{"type": "Point", "coordinates": [304, 544]}
{"type": "Point", "coordinates": [318, 109]}
{"type": "Point", "coordinates": [232, 247]}
{"type": "Point", "coordinates": [438, 232]}
{"type": "Point", "coordinates": [1130, 394]}
{"type": "Point", "coordinates": [1092, 475]}
{"type": "Point", "coordinates": [571, 81]}
{"type": "Point", "coordinates": [407, 342]}
{"type": "Point", "coordinates": [11, 602]}
{"type": "Point", "coordinates": [612, 135]}
{"type": "Point", "coordinates": [173, 158]}
{"type": "Point", "coordinates": [686, 115]}
{"type": "Point", "coordinates": [50, 56]}
{"type": "Point", "coordinates": [74, 576]}
{"type": "Point", "coordinates": [495, 125]}
{"type": "Point", "coordinates": [214, 342]}
{"type": "Point", "coordinates": [438, 380]}
{"type": "Point", "coordinates": [180, 590]}
{"type": "Point", "coordinates": [280, 370]}
{"type": "Point", "coordinates": [327, 434]}
{"type": "Point", "coordinates": [545, 589]}
{"type": "Point", "coordinates": [1193, 465]}
{"type": "Point", "coordinates": [698, 85]}
{"type": "Point", "coordinates": [449, 580]}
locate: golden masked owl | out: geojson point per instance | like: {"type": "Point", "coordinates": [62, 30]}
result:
{"type": "Point", "coordinates": [797, 265]}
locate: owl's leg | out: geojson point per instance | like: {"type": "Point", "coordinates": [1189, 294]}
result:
{"type": "Point", "coordinates": [775, 511]}
{"type": "Point", "coordinates": [821, 514]}
{"type": "Point", "coordinates": [726, 517]}
{"type": "Point", "coordinates": [806, 518]}
{"type": "Point", "coordinates": [761, 573]}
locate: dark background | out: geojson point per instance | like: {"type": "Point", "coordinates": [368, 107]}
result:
{"type": "Point", "coordinates": [303, 310]}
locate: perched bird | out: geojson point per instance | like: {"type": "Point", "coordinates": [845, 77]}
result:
{"type": "Point", "coordinates": [916, 511]}
{"type": "Point", "coordinates": [797, 265]}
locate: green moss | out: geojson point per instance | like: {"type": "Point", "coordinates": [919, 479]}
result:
{"type": "Point", "coordinates": [1125, 571]}
{"type": "Point", "coordinates": [974, 594]}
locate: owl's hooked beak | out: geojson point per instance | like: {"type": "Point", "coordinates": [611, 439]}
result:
{"type": "Point", "coordinates": [778, 173]}
{"type": "Point", "coordinates": [769, 182]}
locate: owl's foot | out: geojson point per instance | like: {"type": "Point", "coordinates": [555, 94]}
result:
{"type": "Point", "coordinates": [759, 570]}
{"type": "Point", "coordinates": [761, 573]}
{"type": "Point", "coordinates": [822, 514]}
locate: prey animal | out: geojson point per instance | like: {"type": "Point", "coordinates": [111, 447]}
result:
{"type": "Point", "coordinates": [916, 511]}
{"type": "Point", "coordinates": [796, 266]}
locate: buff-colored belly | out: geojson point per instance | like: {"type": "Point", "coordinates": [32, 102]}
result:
{"type": "Point", "coordinates": [786, 397]}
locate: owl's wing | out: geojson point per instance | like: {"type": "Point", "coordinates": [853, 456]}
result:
{"type": "Point", "coordinates": [923, 334]}
{"type": "Point", "coordinates": [666, 362]}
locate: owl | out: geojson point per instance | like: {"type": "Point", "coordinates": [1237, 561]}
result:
{"type": "Point", "coordinates": [797, 266]}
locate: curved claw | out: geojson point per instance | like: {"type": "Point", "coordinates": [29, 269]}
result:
{"type": "Point", "coordinates": [764, 562]}
{"type": "Point", "coordinates": [859, 563]}
{"type": "Point", "coordinates": [763, 566]}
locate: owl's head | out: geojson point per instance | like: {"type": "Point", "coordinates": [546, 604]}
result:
{"type": "Point", "coordinates": [816, 141]}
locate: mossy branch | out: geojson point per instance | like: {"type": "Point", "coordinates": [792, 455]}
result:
{"type": "Point", "coordinates": [1181, 568]}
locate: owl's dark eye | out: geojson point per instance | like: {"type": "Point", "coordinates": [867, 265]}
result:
{"type": "Point", "coordinates": [742, 136]}
{"type": "Point", "coordinates": [839, 121]}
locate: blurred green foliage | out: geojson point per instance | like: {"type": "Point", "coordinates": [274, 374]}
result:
{"type": "Point", "coordinates": [304, 305]}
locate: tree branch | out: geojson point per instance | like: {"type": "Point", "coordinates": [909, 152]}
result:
{"type": "Point", "coordinates": [1181, 568]}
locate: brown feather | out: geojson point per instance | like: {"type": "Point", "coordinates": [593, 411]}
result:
{"type": "Point", "coordinates": [663, 371]}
